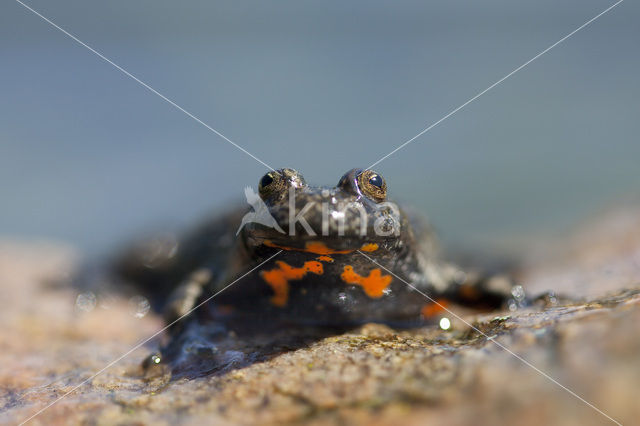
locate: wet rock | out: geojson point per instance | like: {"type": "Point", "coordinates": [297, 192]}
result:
{"type": "Point", "coordinates": [571, 354]}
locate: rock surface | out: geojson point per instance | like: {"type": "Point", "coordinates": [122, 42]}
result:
{"type": "Point", "coordinates": [556, 363]}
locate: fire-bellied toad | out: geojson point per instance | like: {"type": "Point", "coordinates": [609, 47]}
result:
{"type": "Point", "coordinates": [343, 256]}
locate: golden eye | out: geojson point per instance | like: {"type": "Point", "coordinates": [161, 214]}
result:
{"type": "Point", "coordinates": [372, 185]}
{"type": "Point", "coordinates": [275, 184]}
{"type": "Point", "coordinates": [270, 184]}
{"type": "Point", "coordinates": [265, 181]}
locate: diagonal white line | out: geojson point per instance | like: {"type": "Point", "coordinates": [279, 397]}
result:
{"type": "Point", "coordinates": [146, 340]}
{"type": "Point", "coordinates": [143, 84]}
{"type": "Point", "coordinates": [495, 84]}
{"type": "Point", "coordinates": [496, 342]}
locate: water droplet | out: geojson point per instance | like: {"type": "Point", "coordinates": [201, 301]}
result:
{"type": "Point", "coordinates": [518, 293]}
{"type": "Point", "coordinates": [86, 302]}
{"type": "Point", "coordinates": [513, 305]}
{"type": "Point", "coordinates": [139, 306]}
{"type": "Point", "coordinates": [445, 323]}
{"type": "Point", "coordinates": [345, 300]}
{"type": "Point", "coordinates": [149, 364]}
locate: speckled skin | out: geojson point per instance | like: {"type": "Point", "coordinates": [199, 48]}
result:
{"type": "Point", "coordinates": [210, 258]}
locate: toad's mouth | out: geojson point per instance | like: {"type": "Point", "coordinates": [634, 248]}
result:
{"type": "Point", "coordinates": [321, 248]}
{"type": "Point", "coordinates": [321, 245]}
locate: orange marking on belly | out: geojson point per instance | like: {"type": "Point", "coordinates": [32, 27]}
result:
{"type": "Point", "coordinates": [430, 310]}
{"type": "Point", "coordinates": [373, 285]}
{"type": "Point", "coordinates": [369, 247]}
{"type": "Point", "coordinates": [325, 259]}
{"type": "Point", "coordinates": [278, 279]}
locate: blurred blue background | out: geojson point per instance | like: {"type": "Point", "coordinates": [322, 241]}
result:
{"type": "Point", "coordinates": [90, 157]}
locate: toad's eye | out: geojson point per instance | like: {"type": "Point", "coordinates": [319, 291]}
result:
{"type": "Point", "coordinates": [271, 185]}
{"type": "Point", "coordinates": [376, 180]}
{"type": "Point", "coordinates": [275, 184]}
{"type": "Point", "coordinates": [372, 185]}
{"type": "Point", "coordinates": [266, 181]}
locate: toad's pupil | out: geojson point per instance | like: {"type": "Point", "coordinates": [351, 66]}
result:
{"type": "Point", "coordinates": [266, 180]}
{"type": "Point", "coordinates": [376, 180]}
